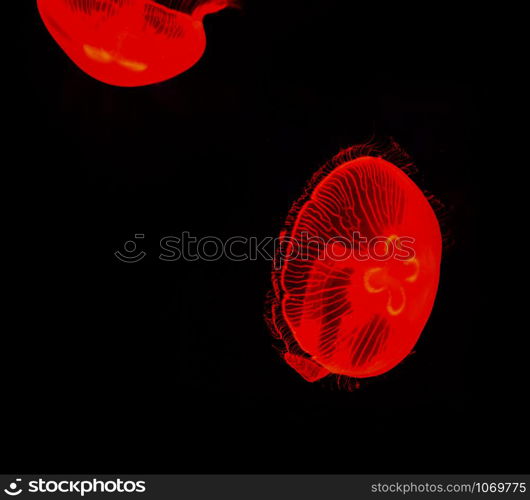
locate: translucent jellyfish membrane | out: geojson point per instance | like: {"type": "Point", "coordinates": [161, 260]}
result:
{"type": "Point", "coordinates": [130, 43]}
{"type": "Point", "coordinates": [360, 267]}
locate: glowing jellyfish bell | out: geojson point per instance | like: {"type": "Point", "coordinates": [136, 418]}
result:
{"type": "Point", "coordinates": [361, 263]}
{"type": "Point", "coordinates": [130, 43]}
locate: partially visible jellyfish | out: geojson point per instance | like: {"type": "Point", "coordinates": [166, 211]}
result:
{"type": "Point", "coordinates": [130, 43]}
{"type": "Point", "coordinates": [360, 264]}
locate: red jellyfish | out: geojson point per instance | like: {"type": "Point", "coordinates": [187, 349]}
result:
{"type": "Point", "coordinates": [130, 43]}
{"type": "Point", "coordinates": [360, 264]}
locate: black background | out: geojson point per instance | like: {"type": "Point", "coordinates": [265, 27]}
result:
{"type": "Point", "coordinates": [169, 367]}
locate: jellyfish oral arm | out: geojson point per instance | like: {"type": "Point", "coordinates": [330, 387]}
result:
{"type": "Point", "coordinates": [308, 369]}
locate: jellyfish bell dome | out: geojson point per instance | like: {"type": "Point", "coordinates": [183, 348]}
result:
{"type": "Point", "coordinates": [130, 43]}
{"type": "Point", "coordinates": [354, 297]}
